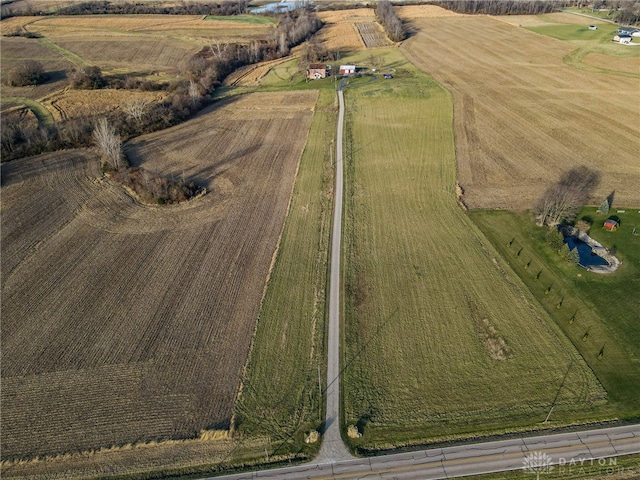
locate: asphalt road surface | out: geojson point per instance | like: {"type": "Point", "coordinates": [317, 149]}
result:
{"type": "Point", "coordinates": [593, 451]}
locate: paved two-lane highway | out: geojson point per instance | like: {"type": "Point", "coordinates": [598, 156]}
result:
{"type": "Point", "coordinates": [575, 450]}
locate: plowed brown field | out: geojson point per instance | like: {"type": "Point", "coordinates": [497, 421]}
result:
{"type": "Point", "coordinates": [15, 50]}
{"type": "Point", "coordinates": [523, 116]}
{"type": "Point", "coordinates": [70, 103]}
{"type": "Point", "coordinates": [124, 323]}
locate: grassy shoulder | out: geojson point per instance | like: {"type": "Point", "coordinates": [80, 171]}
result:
{"type": "Point", "coordinates": [441, 340]}
{"type": "Point", "coordinates": [280, 395]}
{"type": "Point", "coordinates": [597, 312]}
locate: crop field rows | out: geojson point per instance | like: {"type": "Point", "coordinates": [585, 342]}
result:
{"type": "Point", "coordinates": [522, 114]}
{"type": "Point", "coordinates": [372, 35]}
{"type": "Point", "coordinates": [18, 49]}
{"type": "Point", "coordinates": [251, 75]}
{"type": "Point", "coordinates": [340, 32]}
{"type": "Point", "coordinates": [125, 323]}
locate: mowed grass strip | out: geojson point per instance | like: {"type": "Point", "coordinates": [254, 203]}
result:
{"type": "Point", "coordinates": [280, 394]}
{"type": "Point", "coordinates": [597, 312]}
{"type": "Point", "coordinates": [440, 339]}
{"type": "Point", "coordinates": [40, 111]}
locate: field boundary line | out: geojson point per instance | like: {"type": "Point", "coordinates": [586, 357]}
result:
{"type": "Point", "coordinates": [72, 57]}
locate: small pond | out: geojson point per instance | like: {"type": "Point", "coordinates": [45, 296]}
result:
{"type": "Point", "coordinates": [587, 257]}
{"type": "Point", "coordinates": [277, 7]}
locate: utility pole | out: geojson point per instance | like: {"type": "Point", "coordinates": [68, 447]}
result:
{"type": "Point", "coordinates": [553, 404]}
{"type": "Point", "coordinates": [319, 394]}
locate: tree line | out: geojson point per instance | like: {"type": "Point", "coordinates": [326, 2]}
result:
{"type": "Point", "coordinates": [503, 7]}
{"type": "Point", "coordinates": [231, 7]}
{"type": "Point", "coordinates": [204, 72]}
{"type": "Point", "coordinates": [626, 12]}
{"type": "Point", "coordinates": [389, 20]}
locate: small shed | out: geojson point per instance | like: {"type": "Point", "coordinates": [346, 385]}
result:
{"type": "Point", "coordinates": [317, 71]}
{"type": "Point", "coordinates": [611, 225]}
{"type": "Point", "coordinates": [593, 27]}
{"type": "Point", "coordinates": [347, 69]}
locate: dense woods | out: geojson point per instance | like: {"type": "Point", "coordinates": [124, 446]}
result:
{"type": "Point", "coordinates": [502, 7]}
{"type": "Point", "coordinates": [390, 21]}
{"type": "Point", "coordinates": [104, 7]}
{"type": "Point", "coordinates": [626, 12]}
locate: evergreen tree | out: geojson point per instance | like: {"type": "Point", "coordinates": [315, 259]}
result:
{"type": "Point", "coordinates": [574, 257]}
{"type": "Point", "coordinates": [555, 238]}
{"type": "Point", "coordinates": [604, 207]}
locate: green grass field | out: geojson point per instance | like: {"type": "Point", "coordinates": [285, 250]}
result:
{"type": "Point", "coordinates": [441, 339]}
{"type": "Point", "coordinates": [597, 311]}
{"type": "Point", "coordinates": [591, 42]}
{"type": "Point", "coordinates": [280, 395]}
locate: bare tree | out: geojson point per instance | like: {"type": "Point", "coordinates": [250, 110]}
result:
{"type": "Point", "coordinates": [562, 200]}
{"type": "Point", "coordinates": [218, 50]}
{"type": "Point", "coordinates": [389, 20]}
{"type": "Point", "coordinates": [194, 92]}
{"type": "Point", "coordinates": [283, 43]}
{"type": "Point", "coordinates": [109, 143]}
{"type": "Point", "coordinates": [136, 108]}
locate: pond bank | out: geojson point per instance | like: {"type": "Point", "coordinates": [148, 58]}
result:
{"type": "Point", "coordinates": [612, 263]}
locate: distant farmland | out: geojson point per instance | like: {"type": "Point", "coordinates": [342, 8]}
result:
{"type": "Point", "coordinates": [139, 43]}
{"type": "Point", "coordinates": [125, 323]}
{"type": "Point", "coordinates": [525, 110]}
{"type": "Point", "coordinates": [151, 47]}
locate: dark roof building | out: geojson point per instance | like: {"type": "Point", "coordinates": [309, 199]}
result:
{"type": "Point", "coordinates": [317, 71]}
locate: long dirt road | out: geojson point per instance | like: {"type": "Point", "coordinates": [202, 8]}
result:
{"type": "Point", "coordinates": [333, 448]}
